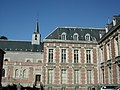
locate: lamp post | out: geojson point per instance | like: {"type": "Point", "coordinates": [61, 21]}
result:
{"type": "Point", "coordinates": [1, 65]}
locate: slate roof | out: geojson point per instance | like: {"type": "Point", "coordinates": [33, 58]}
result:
{"type": "Point", "coordinates": [70, 31]}
{"type": "Point", "coordinates": [10, 45]}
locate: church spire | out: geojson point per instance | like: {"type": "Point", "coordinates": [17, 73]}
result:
{"type": "Point", "coordinates": [37, 27]}
{"type": "Point", "coordinates": [36, 36]}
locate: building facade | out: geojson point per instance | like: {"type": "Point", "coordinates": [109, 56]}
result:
{"type": "Point", "coordinates": [71, 58]}
{"type": "Point", "coordinates": [23, 60]}
{"type": "Point", "coordinates": [109, 48]}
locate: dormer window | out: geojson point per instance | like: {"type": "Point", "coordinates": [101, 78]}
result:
{"type": "Point", "coordinates": [87, 37]}
{"type": "Point", "coordinates": [63, 36]}
{"type": "Point", "coordinates": [75, 36]}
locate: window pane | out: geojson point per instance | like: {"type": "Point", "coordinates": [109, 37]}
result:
{"type": "Point", "coordinates": [63, 55]}
{"type": "Point", "coordinates": [50, 57]}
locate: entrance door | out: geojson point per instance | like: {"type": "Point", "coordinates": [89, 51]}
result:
{"type": "Point", "coordinates": [37, 80]}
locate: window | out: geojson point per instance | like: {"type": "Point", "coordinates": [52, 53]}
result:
{"type": "Point", "coordinates": [63, 36]}
{"type": "Point", "coordinates": [88, 56]}
{"type": "Point", "coordinates": [89, 76]}
{"type": "Point", "coordinates": [87, 37]}
{"type": "Point", "coordinates": [75, 36]}
{"type": "Point", "coordinates": [103, 76]}
{"type": "Point", "coordinates": [101, 55]}
{"type": "Point", "coordinates": [63, 76]}
{"type": "Point", "coordinates": [118, 73]}
{"type": "Point", "coordinates": [35, 37]}
{"type": "Point", "coordinates": [108, 51]}
{"type": "Point", "coordinates": [50, 76]}
{"type": "Point", "coordinates": [116, 46]}
{"type": "Point", "coordinates": [76, 56]}
{"type": "Point", "coordinates": [109, 75]}
{"type": "Point", "coordinates": [76, 76]}
{"type": "Point", "coordinates": [16, 73]}
{"type": "Point", "coordinates": [24, 73]}
{"type": "Point", "coordinates": [50, 56]}
{"type": "Point", "coordinates": [63, 55]}
{"type": "Point", "coordinates": [3, 72]}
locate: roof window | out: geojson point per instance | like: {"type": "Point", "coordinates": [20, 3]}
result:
{"type": "Point", "coordinates": [87, 37]}
{"type": "Point", "coordinates": [75, 36]}
{"type": "Point", "coordinates": [63, 36]}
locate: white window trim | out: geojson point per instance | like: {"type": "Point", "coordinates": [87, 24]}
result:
{"type": "Point", "coordinates": [78, 54]}
{"type": "Point", "coordinates": [74, 36]}
{"type": "Point", "coordinates": [62, 36]}
{"type": "Point", "coordinates": [88, 36]}
{"type": "Point", "coordinates": [91, 56]}
{"type": "Point", "coordinates": [53, 54]}
{"type": "Point", "coordinates": [61, 55]}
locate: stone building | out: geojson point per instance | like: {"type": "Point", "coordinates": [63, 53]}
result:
{"type": "Point", "coordinates": [23, 60]}
{"type": "Point", "coordinates": [82, 58]}
{"type": "Point", "coordinates": [109, 51]}
{"type": "Point", "coordinates": [71, 58]}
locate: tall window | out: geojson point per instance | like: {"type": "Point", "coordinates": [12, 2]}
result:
{"type": "Point", "coordinates": [50, 76]}
{"type": "Point", "coordinates": [116, 46]}
{"type": "Point", "coordinates": [101, 55]}
{"type": "Point", "coordinates": [63, 55]}
{"type": "Point", "coordinates": [88, 56]}
{"type": "Point", "coordinates": [76, 56]}
{"type": "Point", "coordinates": [109, 75]}
{"type": "Point", "coordinates": [87, 37]}
{"type": "Point", "coordinates": [103, 76]}
{"type": "Point", "coordinates": [76, 76]}
{"type": "Point", "coordinates": [108, 51]}
{"type": "Point", "coordinates": [119, 74]}
{"type": "Point", "coordinates": [3, 72]}
{"type": "Point", "coordinates": [89, 78]}
{"type": "Point", "coordinates": [63, 36]}
{"type": "Point", "coordinates": [75, 36]}
{"type": "Point", "coordinates": [50, 56]}
{"type": "Point", "coordinates": [16, 73]}
{"type": "Point", "coordinates": [63, 76]}
{"type": "Point", "coordinates": [24, 73]}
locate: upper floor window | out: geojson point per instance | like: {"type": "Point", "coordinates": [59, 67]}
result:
{"type": "Point", "coordinates": [16, 73]}
{"type": "Point", "coordinates": [63, 55]}
{"type": "Point", "coordinates": [3, 72]}
{"type": "Point", "coordinates": [108, 51]}
{"type": "Point", "coordinates": [24, 73]}
{"type": "Point", "coordinates": [87, 37]}
{"type": "Point", "coordinates": [63, 36]}
{"type": "Point", "coordinates": [50, 55]}
{"type": "Point", "coordinates": [88, 56]}
{"type": "Point", "coordinates": [76, 56]}
{"type": "Point", "coordinates": [75, 36]}
{"type": "Point", "coordinates": [116, 46]}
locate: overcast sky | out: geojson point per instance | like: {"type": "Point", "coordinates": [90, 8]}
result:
{"type": "Point", "coordinates": [18, 17]}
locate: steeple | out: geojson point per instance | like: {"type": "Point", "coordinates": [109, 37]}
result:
{"type": "Point", "coordinates": [37, 27]}
{"type": "Point", "coordinates": [36, 36]}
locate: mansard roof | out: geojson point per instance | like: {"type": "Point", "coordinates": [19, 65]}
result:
{"type": "Point", "coordinates": [95, 33]}
{"type": "Point", "coordinates": [12, 45]}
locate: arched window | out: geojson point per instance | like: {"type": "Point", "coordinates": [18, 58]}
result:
{"type": "Point", "coordinates": [3, 72]}
{"type": "Point", "coordinates": [63, 36]}
{"type": "Point", "coordinates": [75, 36]}
{"type": "Point", "coordinates": [24, 73]}
{"type": "Point", "coordinates": [87, 37]}
{"type": "Point", "coordinates": [16, 73]}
